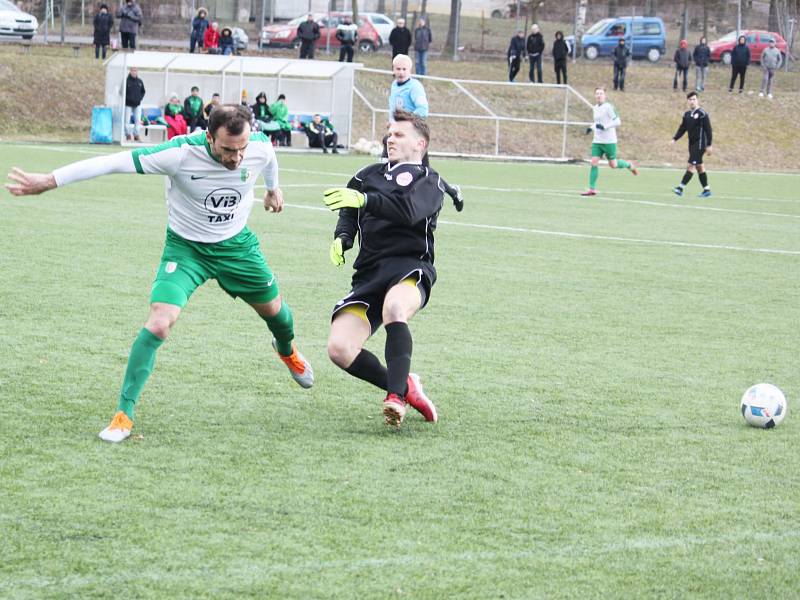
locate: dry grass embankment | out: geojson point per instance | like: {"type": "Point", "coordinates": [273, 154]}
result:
{"type": "Point", "coordinates": [48, 95]}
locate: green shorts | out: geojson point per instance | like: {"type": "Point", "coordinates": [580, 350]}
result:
{"type": "Point", "coordinates": [236, 263]}
{"type": "Point", "coordinates": [610, 150]}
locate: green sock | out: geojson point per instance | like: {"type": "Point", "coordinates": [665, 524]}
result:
{"type": "Point", "coordinates": [282, 327]}
{"type": "Point", "coordinates": [140, 365]}
{"type": "Point", "coordinates": [593, 173]}
{"type": "Point", "coordinates": [623, 164]}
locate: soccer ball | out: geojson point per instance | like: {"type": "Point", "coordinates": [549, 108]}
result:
{"type": "Point", "coordinates": [764, 405]}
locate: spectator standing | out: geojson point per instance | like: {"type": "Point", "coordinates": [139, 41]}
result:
{"type": "Point", "coordinates": [134, 93]}
{"type": "Point", "coordinates": [308, 32]}
{"type": "Point", "coordinates": [280, 113]}
{"type": "Point", "coordinates": [103, 23]}
{"type": "Point", "coordinates": [347, 34]}
{"type": "Point", "coordinates": [771, 61]}
{"type": "Point", "coordinates": [535, 47]}
{"type": "Point", "coordinates": [514, 55]}
{"type": "Point", "coordinates": [130, 18]}
{"type": "Point", "coordinates": [400, 38]}
{"type": "Point", "coordinates": [682, 60]}
{"type": "Point", "coordinates": [211, 39]}
{"type": "Point", "coordinates": [621, 55]}
{"type": "Point", "coordinates": [560, 55]}
{"type": "Point", "coordinates": [423, 37]}
{"type": "Point", "coordinates": [321, 134]}
{"type": "Point", "coordinates": [740, 58]}
{"type": "Point", "coordinates": [199, 26]}
{"type": "Point", "coordinates": [193, 111]}
{"type": "Point", "coordinates": [226, 41]}
{"type": "Point", "coordinates": [702, 57]}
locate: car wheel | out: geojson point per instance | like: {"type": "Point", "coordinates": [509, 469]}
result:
{"type": "Point", "coordinates": [366, 46]}
{"type": "Point", "coordinates": [296, 43]}
{"type": "Point", "coordinates": [726, 58]}
{"type": "Point", "coordinates": [497, 14]}
{"type": "Point", "coordinates": [653, 55]}
{"type": "Point", "coordinates": [591, 52]}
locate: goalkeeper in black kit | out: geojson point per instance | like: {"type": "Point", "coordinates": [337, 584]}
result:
{"type": "Point", "coordinates": [697, 124]}
{"type": "Point", "coordinates": [393, 208]}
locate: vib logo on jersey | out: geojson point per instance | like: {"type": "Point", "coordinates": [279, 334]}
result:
{"type": "Point", "coordinates": [222, 203]}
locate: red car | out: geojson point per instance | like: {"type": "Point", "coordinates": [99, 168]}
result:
{"type": "Point", "coordinates": [285, 35]}
{"type": "Point", "coordinates": [756, 41]}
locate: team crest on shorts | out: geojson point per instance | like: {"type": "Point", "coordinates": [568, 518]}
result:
{"type": "Point", "coordinates": [403, 178]}
{"type": "Point", "coordinates": [171, 266]}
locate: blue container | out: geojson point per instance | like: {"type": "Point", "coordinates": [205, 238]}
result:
{"type": "Point", "coordinates": [102, 125]}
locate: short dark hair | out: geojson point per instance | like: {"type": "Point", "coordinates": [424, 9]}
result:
{"type": "Point", "coordinates": [230, 116]}
{"type": "Point", "coordinates": [281, 97]}
{"type": "Point", "coordinates": [420, 126]}
{"type": "Point", "coordinates": [195, 88]}
{"type": "Point", "coordinates": [690, 94]}
{"type": "Point", "coordinates": [215, 95]}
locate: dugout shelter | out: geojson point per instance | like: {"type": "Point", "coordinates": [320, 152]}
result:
{"type": "Point", "coordinates": [310, 86]}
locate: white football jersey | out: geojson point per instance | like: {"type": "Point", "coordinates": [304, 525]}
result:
{"type": "Point", "coordinates": [206, 201]}
{"type": "Point", "coordinates": [606, 115]}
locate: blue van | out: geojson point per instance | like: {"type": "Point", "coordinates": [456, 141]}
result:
{"type": "Point", "coordinates": [645, 36]}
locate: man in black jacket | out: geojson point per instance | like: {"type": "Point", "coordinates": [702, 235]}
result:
{"type": "Point", "coordinates": [103, 22]}
{"type": "Point", "coordinates": [560, 55]}
{"type": "Point", "coordinates": [347, 34]}
{"type": "Point", "coordinates": [134, 93]}
{"type": "Point", "coordinates": [702, 57]}
{"type": "Point", "coordinates": [308, 32]}
{"type": "Point", "coordinates": [621, 55]}
{"type": "Point", "coordinates": [696, 123]}
{"type": "Point", "coordinates": [514, 54]}
{"type": "Point", "coordinates": [393, 208]}
{"type": "Point", "coordinates": [535, 47]}
{"type": "Point", "coordinates": [740, 58]}
{"type": "Point", "coordinates": [400, 38]}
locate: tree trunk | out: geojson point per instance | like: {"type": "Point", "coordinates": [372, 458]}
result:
{"type": "Point", "coordinates": [685, 20]}
{"type": "Point", "coordinates": [423, 10]}
{"type": "Point", "coordinates": [382, 6]}
{"type": "Point", "coordinates": [404, 9]}
{"type": "Point", "coordinates": [612, 8]}
{"type": "Point", "coordinates": [650, 8]}
{"type": "Point", "coordinates": [533, 11]}
{"type": "Point", "coordinates": [772, 23]}
{"type": "Point", "coordinates": [705, 18]}
{"type": "Point", "coordinates": [354, 6]}
{"type": "Point", "coordinates": [449, 46]}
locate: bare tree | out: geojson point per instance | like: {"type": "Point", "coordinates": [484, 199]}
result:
{"type": "Point", "coordinates": [612, 8]}
{"type": "Point", "coordinates": [650, 8]}
{"type": "Point", "coordinates": [772, 24]}
{"type": "Point", "coordinates": [354, 7]}
{"type": "Point", "coordinates": [404, 9]}
{"type": "Point", "coordinates": [705, 18]}
{"type": "Point", "coordinates": [533, 11]}
{"type": "Point", "coordinates": [455, 7]}
{"type": "Point", "coordinates": [382, 7]}
{"type": "Point", "coordinates": [685, 20]}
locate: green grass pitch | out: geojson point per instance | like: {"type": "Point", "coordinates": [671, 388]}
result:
{"type": "Point", "coordinates": [587, 357]}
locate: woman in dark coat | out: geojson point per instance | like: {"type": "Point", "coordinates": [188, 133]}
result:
{"type": "Point", "coordinates": [103, 23]}
{"type": "Point", "coordinates": [199, 26]}
{"type": "Point", "coordinates": [560, 54]}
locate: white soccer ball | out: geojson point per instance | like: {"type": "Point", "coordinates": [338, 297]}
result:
{"type": "Point", "coordinates": [764, 405]}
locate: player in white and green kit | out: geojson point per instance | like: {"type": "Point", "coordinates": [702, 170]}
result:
{"type": "Point", "coordinates": [210, 194]}
{"type": "Point", "coordinates": [604, 144]}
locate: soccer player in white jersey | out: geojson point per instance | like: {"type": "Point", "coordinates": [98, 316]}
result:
{"type": "Point", "coordinates": [604, 143]}
{"type": "Point", "coordinates": [210, 195]}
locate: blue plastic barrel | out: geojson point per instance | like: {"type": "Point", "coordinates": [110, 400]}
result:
{"type": "Point", "coordinates": [101, 125]}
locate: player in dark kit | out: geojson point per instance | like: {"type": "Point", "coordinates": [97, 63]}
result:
{"type": "Point", "coordinates": [697, 124]}
{"type": "Point", "coordinates": [393, 207]}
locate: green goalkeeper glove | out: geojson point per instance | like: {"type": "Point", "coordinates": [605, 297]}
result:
{"type": "Point", "coordinates": [337, 252]}
{"type": "Point", "coordinates": [338, 198]}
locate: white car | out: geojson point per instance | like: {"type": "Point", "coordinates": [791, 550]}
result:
{"type": "Point", "coordinates": [14, 22]}
{"type": "Point", "coordinates": [382, 24]}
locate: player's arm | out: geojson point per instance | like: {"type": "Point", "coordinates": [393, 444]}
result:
{"type": "Point", "coordinates": [27, 184]}
{"type": "Point", "coordinates": [707, 129]}
{"type": "Point", "coordinates": [681, 130]}
{"type": "Point", "coordinates": [420, 101]}
{"type": "Point", "coordinates": [273, 196]}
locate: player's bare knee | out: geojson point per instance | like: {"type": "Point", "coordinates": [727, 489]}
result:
{"type": "Point", "coordinates": [612, 164]}
{"type": "Point", "coordinates": [394, 310]}
{"type": "Point", "coordinates": [161, 319]}
{"type": "Point", "coordinates": [268, 309]}
{"type": "Point", "coordinates": [342, 352]}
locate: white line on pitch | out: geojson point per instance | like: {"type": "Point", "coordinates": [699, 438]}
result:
{"type": "Point", "coordinates": [588, 236]}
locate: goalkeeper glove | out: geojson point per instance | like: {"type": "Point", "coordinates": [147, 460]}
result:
{"type": "Point", "coordinates": [337, 252]}
{"type": "Point", "coordinates": [599, 126]}
{"type": "Point", "coordinates": [338, 198]}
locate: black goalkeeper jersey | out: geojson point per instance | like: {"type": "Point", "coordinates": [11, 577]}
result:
{"type": "Point", "coordinates": [399, 217]}
{"type": "Point", "coordinates": [698, 125]}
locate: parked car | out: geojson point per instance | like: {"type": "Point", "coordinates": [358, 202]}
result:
{"type": "Point", "coordinates": [15, 23]}
{"type": "Point", "coordinates": [382, 24]}
{"type": "Point", "coordinates": [285, 35]}
{"type": "Point", "coordinates": [645, 36]}
{"type": "Point", "coordinates": [756, 41]}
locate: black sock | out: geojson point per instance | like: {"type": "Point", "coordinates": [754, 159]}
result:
{"type": "Point", "coordinates": [368, 367]}
{"type": "Point", "coordinates": [686, 177]}
{"type": "Point", "coordinates": [398, 357]}
{"type": "Point", "coordinates": [703, 179]}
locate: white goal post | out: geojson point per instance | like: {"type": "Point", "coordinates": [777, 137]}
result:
{"type": "Point", "coordinates": [484, 119]}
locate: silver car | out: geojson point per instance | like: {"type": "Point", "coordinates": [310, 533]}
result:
{"type": "Point", "coordinates": [15, 23]}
